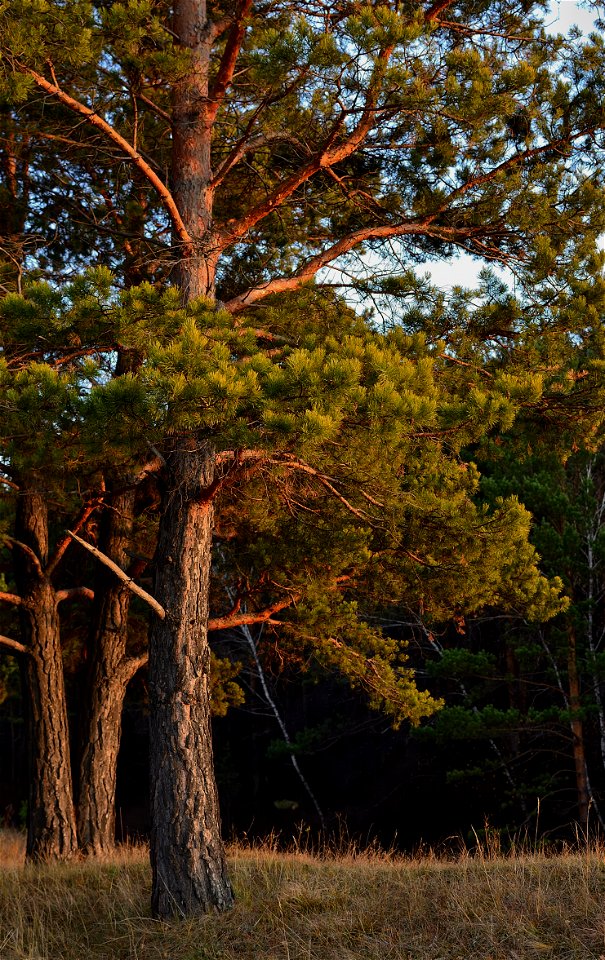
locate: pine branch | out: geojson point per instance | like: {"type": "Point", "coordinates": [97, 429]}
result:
{"type": "Point", "coordinates": [226, 68]}
{"type": "Point", "coordinates": [100, 123]}
{"type": "Point", "coordinates": [517, 159]}
{"type": "Point", "coordinates": [153, 466]}
{"type": "Point", "coordinates": [327, 256]}
{"type": "Point", "coordinates": [368, 115]}
{"type": "Point", "coordinates": [239, 149]}
{"type": "Point", "coordinates": [134, 664]}
{"type": "Point", "coordinates": [464, 363]}
{"type": "Point", "coordinates": [13, 645]}
{"type": "Point", "coordinates": [327, 156]}
{"type": "Point", "coordinates": [249, 145]}
{"type": "Point", "coordinates": [126, 580]}
{"type": "Point", "coordinates": [9, 483]}
{"type": "Point", "coordinates": [465, 237]}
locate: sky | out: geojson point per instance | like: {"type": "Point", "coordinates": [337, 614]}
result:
{"type": "Point", "coordinates": [567, 12]}
{"type": "Point", "coordinates": [463, 271]}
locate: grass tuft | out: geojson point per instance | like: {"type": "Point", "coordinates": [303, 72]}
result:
{"type": "Point", "coordinates": [338, 905]}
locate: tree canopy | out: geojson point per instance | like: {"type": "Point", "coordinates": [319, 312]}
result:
{"type": "Point", "coordinates": [184, 185]}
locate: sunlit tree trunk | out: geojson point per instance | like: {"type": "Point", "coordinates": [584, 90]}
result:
{"type": "Point", "coordinates": [51, 832]}
{"type": "Point", "coordinates": [109, 672]}
{"type": "Point", "coordinates": [187, 855]}
{"type": "Point", "coordinates": [191, 151]}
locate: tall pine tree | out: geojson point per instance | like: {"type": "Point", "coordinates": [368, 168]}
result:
{"type": "Point", "coordinates": [295, 136]}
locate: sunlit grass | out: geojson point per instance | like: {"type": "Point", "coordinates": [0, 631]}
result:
{"type": "Point", "coordinates": [340, 905]}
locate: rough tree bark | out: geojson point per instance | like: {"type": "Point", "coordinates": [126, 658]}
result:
{"type": "Point", "coordinates": [109, 672]}
{"type": "Point", "coordinates": [191, 174]}
{"type": "Point", "coordinates": [51, 830]}
{"type": "Point", "coordinates": [187, 855]}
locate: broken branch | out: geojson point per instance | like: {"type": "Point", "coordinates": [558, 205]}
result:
{"type": "Point", "coordinates": [126, 580]}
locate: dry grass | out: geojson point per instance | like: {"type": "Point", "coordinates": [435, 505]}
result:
{"type": "Point", "coordinates": [301, 907]}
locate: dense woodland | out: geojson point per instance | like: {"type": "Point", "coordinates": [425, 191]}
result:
{"type": "Point", "coordinates": [259, 475]}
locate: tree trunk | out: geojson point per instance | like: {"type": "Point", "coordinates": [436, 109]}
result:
{"type": "Point", "coordinates": [187, 854]}
{"type": "Point", "coordinates": [51, 831]}
{"type": "Point", "coordinates": [191, 151]}
{"type": "Point", "coordinates": [108, 675]}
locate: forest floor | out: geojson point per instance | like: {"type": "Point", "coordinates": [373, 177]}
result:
{"type": "Point", "coordinates": [299, 906]}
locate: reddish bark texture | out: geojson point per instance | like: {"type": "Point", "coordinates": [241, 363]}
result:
{"type": "Point", "coordinates": [191, 150]}
{"type": "Point", "coordinates": [187, 855]}
{"type": "Point", "coordinates": [110, 670]}
{"type": "Point", "coordinates": [51, 817]}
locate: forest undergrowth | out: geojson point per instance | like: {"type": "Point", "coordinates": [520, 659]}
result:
{"type": "Point", "coordinates": [340, 904]}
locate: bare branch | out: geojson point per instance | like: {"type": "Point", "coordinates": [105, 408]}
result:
{"type": "Point", "coordinates": [29, 553]}
{"type": "Point", "coordinates": [12, 598]}
{"type": "Point", "coordinates": [246, 619]}
{"type": "Point", "coordinates": [308, 271]}
{"type": "Point", "coordinates": [293, 463]}
{"type": "Point", "coordinates": [153, 106]}
{"type": "Point", "coordinates": [9, 483]}
{"type": "Point", "coordinates": [13, 645]}
{"type": "Point", "coordinates": [74, 593]}
{"type": "Point", "coordinates": [126, 580]}
{"type": "Point", "coordinates": [134, 664]}
{"type": "Point", "coordinates": [65, 542]}
{"type": "Point", "coordinates": [101, 124]}
{"type": "Point", "coordinates": [226, 68]}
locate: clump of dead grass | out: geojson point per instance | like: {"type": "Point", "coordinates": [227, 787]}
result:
{"type": "Point", "coordinates": [335, 905]}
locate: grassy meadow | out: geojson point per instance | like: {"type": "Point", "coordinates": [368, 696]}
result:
{"type": "Point", "coordinates": [300, 906]}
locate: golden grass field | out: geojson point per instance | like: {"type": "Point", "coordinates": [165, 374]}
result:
{"type": "Point", "coordinates": [299, 906]}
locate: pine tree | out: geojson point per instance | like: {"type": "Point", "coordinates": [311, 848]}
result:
{"type": "Point", "coordinates": [298, 136]}
{"type": "Point", "coordinates": [358, 430]}
{"type": "Point", "coordinates": [522, 687]}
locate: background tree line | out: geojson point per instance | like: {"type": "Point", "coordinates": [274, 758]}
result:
{"type": "Point", "coordinates": [195, 421]}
